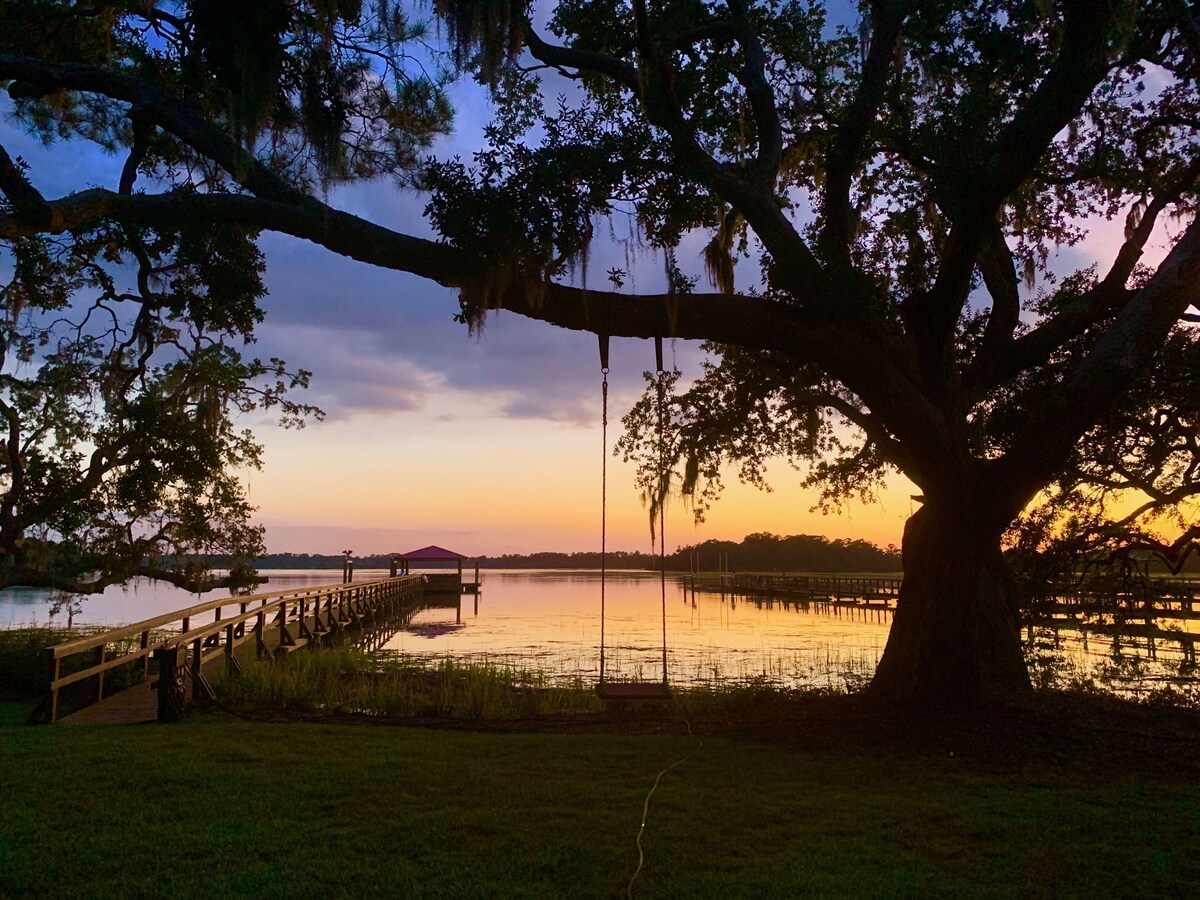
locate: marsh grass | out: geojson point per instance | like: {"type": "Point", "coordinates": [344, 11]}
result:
{"type": "Point", "coordinates": [345, 681]}
{"type": "Point", "coordinates": [23, 668]}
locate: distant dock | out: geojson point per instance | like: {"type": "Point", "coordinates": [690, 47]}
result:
{"type": "Point", "coordinates": [863, 592]}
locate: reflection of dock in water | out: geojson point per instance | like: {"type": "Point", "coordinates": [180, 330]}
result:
{"type": "Point", "coordinates": [804, 593]}
{"type": "Point", "coordinates": [1129, 622]}
{"type": "Point", "coordinates": [1122, 636]}
{"type": "Point", "coordinates": [1133, 619]}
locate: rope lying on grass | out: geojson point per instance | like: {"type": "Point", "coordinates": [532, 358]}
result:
{"type": "Point", "coordinates": [646, 807]}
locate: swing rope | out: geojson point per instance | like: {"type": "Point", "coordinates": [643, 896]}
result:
{"type": "Point", "coordinates": [631, 690]}
{"type": "Point", "coordinates": [603, 487]}
{"type": "Point", "coordinates": [662, 502]}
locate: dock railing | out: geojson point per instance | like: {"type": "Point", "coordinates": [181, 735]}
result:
{"type": "Point", "coordinates": [279, 622]}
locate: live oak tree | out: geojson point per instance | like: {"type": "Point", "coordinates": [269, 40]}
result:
{"type": "Point", "coordinates": [118, 404]}
{"type": "Point", "coordinates": [887, 185]}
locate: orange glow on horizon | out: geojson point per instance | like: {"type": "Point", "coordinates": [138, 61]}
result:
{"type": "Point", "coordinates": [490, 486]}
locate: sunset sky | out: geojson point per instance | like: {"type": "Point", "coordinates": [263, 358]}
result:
{"type": "Point", "coordinates": [487, 445]}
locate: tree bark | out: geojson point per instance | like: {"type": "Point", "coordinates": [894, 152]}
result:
{"type": "Point", "coordinates": [956, 634]}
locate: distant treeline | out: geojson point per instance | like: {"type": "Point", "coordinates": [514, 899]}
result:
{"type": "Point", "coordinates": [767, 552]}
{"type": "Point", "coordinates": [756, 553]}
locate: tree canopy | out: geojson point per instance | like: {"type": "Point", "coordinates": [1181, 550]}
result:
{"type": "Point", "coordinates": [873, 184]}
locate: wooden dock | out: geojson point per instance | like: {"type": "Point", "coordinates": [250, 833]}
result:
{"type": "Point", "coordinates": [173, 649]}
{"type": "Point", "coordinates": [1172, 599]}
{"type": "Point", "coordinates": [863, 592]}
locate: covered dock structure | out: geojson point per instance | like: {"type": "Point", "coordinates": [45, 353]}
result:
{"type": "Point", "coordinates": [434, 556]}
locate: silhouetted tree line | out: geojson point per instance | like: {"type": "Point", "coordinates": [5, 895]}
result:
{"type": "Point", "coordinates": [762, 552]}
{"type": "Point", "coordinates": [617, 559]}
{"type": "Point", "coordinates": [765, 552]}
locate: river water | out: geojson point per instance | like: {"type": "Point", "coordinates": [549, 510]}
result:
{"type": "Point", "coordinates": [549, 621]}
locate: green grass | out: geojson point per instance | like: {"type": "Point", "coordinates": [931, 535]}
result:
{"type": "Point", "coordinates": [222, 807]}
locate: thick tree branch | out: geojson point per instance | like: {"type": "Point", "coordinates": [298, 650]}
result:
{"type": "Point", "coordinates": [195, 584]}
{"type": "Point", "coordinates": [1081, 64]}
{"type": "Point", "coordinates": [162, 109]}
{"type": "Point", "coordinates": [1049, 433]}
{"type": "Point", "coordinates": [727, 319]}
{"type": "Point", "coordinates": [174, 116]}
{"type": "Point", "coordinates": [1131, 251]}
{"type": "Point", "coordinates": [24, 576]}
{"type": "Point", "coordinates": [24, 197]}
{"type": "Point", "coordinates": [888, 16]}
{"type": "Point", "coordinates": [142, 132]}
{"type": "Point", "coordinates": [583, 60]}
{"type": "Point", "coordinates": [1000, 277]}
{"type": "Point", "coordinates": [1107, 297]}
{"type": "Point", "coordinates": [753, 77]}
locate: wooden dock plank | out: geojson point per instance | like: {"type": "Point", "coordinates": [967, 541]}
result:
{"type": "Point", "coordinates": [132, 706]}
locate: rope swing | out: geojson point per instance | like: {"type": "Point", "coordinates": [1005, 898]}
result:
{"type": "Point", "coordinates": [632, 690]}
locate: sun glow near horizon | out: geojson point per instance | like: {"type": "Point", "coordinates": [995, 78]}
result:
{"type": "Point", "coordinates": [491, 485]}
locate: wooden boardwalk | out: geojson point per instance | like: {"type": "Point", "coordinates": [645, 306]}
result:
{"type": "Point", "coordinates": [133, 706]}
{"type": "Point", "coordinates": [866, 592]}
{"type": "Point", "coordinates": [186, 654]}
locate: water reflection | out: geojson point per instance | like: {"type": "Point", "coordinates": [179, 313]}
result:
{"type": "Point", "coordinates": [1127, 658]}
{"type": "Point", "coordinates": [551, 621]}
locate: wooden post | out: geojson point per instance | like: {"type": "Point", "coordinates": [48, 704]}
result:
{"type": "Point", "coordinates": [197, 663]}
{"type": "Point", "coordinates": [260, 641]}
{"type": "Point", "coordinates": [171, 697]}
{"type": "Point", "coordinates": [100, 661]}
{"type": "Point", "coordinates": [146, 658]}
{"type": "Point", "coordinates": [53, 664]}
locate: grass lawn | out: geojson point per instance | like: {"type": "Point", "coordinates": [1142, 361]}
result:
{"type": "Point", "coordinates": [218, 806]}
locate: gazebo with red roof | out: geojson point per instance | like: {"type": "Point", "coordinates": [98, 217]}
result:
{"type": "Point", "coordinates": [403, 562]}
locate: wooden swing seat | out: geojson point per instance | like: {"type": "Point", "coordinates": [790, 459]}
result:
{"type": "Point", "coordinates": [633, 690]}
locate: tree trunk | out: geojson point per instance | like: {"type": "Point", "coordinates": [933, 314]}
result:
{"type": "Point", "coordinates": [956, 633]}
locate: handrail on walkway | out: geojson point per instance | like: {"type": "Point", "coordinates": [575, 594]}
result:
{"type": "Point", "coordinates": [311, 610]}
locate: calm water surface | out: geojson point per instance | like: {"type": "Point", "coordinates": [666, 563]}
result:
{"type": "Point", "coordinates": [550, 621]}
